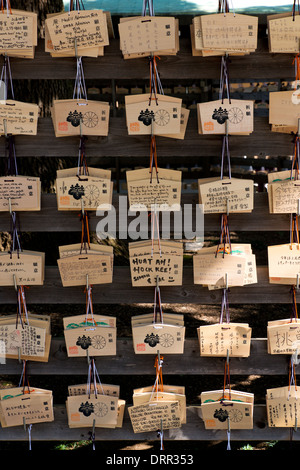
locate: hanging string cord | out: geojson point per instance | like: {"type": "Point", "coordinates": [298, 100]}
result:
{"type": "Point", "coordinates": [93, 378]}
{"type": "Point", "coordinates": [24, 382]}
{"type": "Point", "coordinates": [6, 77]}
{"type": "Point", "coordinates": [295, 169]}
{"type": "Point", "coordinates": [294, 9]}
{"type": "Point", "coordinates": [296, 140]}
{"type": "Point", "coordinates": [82, 165]}
{"type": "Point", "coordinates": [296, 63]}
{"type": "Point", "coordinates": [89, 314]}
{"type": "Point", "coordinates": [158, 384]}
{"type": "Point", "coordinates": [224, 79]}
{"type": "Point", "coordinates": [223, 6]}
{"type": "Point", "coordinates": [148, 4]}
{"type": "Point", "coordinates": [155, 82]}
{"type": "Point", "coordinates": [225, 150]}
{"type": "Point", "coordinates": [294, 310]}
{"type": "Point", "coordinates": [7, 7]}
{"type": "Point", "coordinates": [153, 159]}
{"type": "Point", "coordinates": [85, 231]}
{"type": "Point", "coordinates": [224, 245]}
{"type": "Point", "coordinates": [226, 385]}
{"type": "Point", "coordinates": [160, 434]}
{"type": "Point", "coordinates": [15, 239]}
{"type": "Point", "coordinates": [22, 312]}
{"type": "Point", "coordinates": [157, 311]}
{"type": "Point", "coordinates": [78, 5]}
{"type": "Point", "coordinates": [29, 435]}
{"type": "Point", "coordinates": [225, 92]}
{"type": "Point", "coordinates": [10, 156]}
{"type": "Point", "coordinates": [80, 91]}
{"type": "Point", "coordinates": [292, 376]}
{"type": "Point", "coordinates": [155, 224]}
{"type": "Point", "coordinates": [294, 230]}
{"type": "Point", "coordinates": [10, 152]}
{"type": "Point", "coordinates": [225, 308]}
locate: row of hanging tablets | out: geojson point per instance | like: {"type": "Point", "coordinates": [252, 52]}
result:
{"type": "Point", "coordinates": [218, 267]}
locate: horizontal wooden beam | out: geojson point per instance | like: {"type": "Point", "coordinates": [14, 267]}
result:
{"type": "Point", "coordinates": [127, 363]}
{"type": "Point", "coordinates": [122, 292]}
{"type": "Point", "coordinates": [259, 65]}
{"type": "Point", "coordinates": [193, 430]}
{"type": "Point", "coordinates": [119, 144]}
{"type": "Point", "coordinates": [49, 219]}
